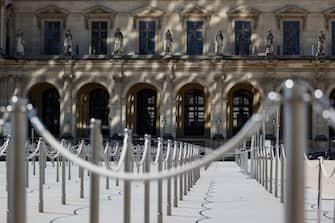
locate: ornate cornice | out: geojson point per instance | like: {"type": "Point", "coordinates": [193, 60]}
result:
{"type": "Point", "coordinates": [148, 12]}
{"type": "Point", "coordinates": [51, 12]}
{"type": "Point", "coordinates": [244, 13]}
{"type": "Point", "coordinates": [329, 14]}
{"type": "Point", "coordinates": [291, 12]}
{"type": "Point", "coordinates": [99, 12]}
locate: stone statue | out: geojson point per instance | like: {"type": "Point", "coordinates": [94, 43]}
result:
{"type": "Point", "coordinates": [19, 43]}
{"type": "Point", "coordinates": [269, 43]}
{"type": "Point", "coordinates": [321, 44]}
{"type": "Point", "coordinates": [219, 43]}
{"type": "Point", "coordinates": [118, 42]}
{"type": "Point", "coordinates": [68, 43]}
{"type": "Point", "coordinates": [168, 42]}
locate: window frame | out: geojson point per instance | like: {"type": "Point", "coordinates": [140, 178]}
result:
{"type": "Point", "coordinates": [194, 20]}
{"type": "Point", "coordinates": [300, 36]}
{"type": "Point", "coordinates": [252, 26]}
{"type": "Point", "coordinates": [155, 38]}
{"type": "Point", "coordinates": [108, 37]}
{"type": "Point", "coordinates": [42, 34]}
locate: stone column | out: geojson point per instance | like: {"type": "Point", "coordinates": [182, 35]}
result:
{"type": "Point", "coordinates": [166, 114]}
{"type": "Point", "coordinates": [115, 107]}
{"type": "Point", "coordinates": [66, 103]}
{"type": "Point", "coordinates": [217, 112]}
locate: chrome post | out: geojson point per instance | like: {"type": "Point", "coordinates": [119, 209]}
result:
{"type": "Point", "coordinates": [63, 181]}
{"type": "Point", "coordinates": [319, 190]}
{"type": "Point", "coordinates": [168, 166]}
{"type": "Point", "coordinates": [271, 168]}
{"type": "Point", "coordinates": [184, 162]}
{"type": "Point", "coordinates": [181, 152]}
{"type": "Point", "coordinates": [16, 187]}
{"type": "Point", "coordinates": [175, 181]}
{"type": "Point", "coordinates": [277, 150]}
{"type": "Point", "coordinates": [128, 167]}
{"type": "Point", "coordinates": [27, 172]}
{"type": "Point", "coordinates": [147, 166]}
{"type": "Point", "coordinates": [295, 119]}
{"type": "Point", "coordinates": [96, 146]}
{"type": "Point", "coordinates": [189, 173]}
{"type": "Point", "coordinates": [159, 183]}
{"type": "Point", "coordinates": [41, 175]}
{"type": "Point", "coordinates": [69, 163]}
{"type": "Point", "coordinates": [282, 174]}
{"type": "Point", "coordinates": [81, 170]}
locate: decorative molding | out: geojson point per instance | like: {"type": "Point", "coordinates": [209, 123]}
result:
{"type": "Point", "coordinates": [329, 14]}
{"type": "Point", "coordinates": [148, 12]}
{"type": "Point", "coordinates": [51, 12]}
{"type": "Point", "coordinates": [245, 13]}
{"type": "Point", "coordinates": [197, 12]}
{"type": "Point", "coordinates": [291, 12]}
{"type": "Point", "coordinates": [99, 12]}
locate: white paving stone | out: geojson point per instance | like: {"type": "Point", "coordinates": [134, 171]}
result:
{"type": "Point", "coordinates": [223, 194]}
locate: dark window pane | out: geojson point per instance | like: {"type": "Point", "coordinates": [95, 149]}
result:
{"type": "Point", "coordinates": [99, 105]}
{"type": "Point", "coordinates": [242, 38]}
{"type": "Point", "coordinates": [146, 112]}
{"type": "Point", "coordinates": [51, 110]}
{"type": "Point", "coordinates": [194, 118]}
{"type": "Point", "coordinates": [291, 38]}
{"type": "Point", "coordinates": [147, 32]}
{"type": "Point", "coordinates": [99, 38]}
{"type": "Point", "coordinates": [195, 38]}
{"type": "Point", "coordinates": [52, 38]}
{"type": "Point", "coordinates": [242, 109]}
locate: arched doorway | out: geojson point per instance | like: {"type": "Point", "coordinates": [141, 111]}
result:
{"type": "Point", "coordinates": [193, 118]}
{"type": "Point", "coordinates": [45, 98]}
{"type": "Point", "coordinates": [142, 110]}
{"type": "Point", "coordinates": [92, 102]}
{"type": "Point", "coordinates": [243, 101]}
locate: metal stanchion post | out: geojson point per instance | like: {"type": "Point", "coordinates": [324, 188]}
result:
{"type": "Point", "coordinates": [277, 150]}
{"type": "Point", "coordinates": [96, 146]}
{"type": "Point", "coordinates": [175, 181]}
{"type": "Point", "coordinates": [271, 168]}
{"type": "Point", "coordinates": [184, 162]}
{"type": "Point", "coordinates": [168, 166]}
{"type": "Point", "coordinates": [159, 183]}
{"type": "Point", "coordinates": [63, 181]}
{"type": "Point", "coordinates": [147, 165]}
{"type": "Point", "coordinates": [128, 167]}
{"type": "Point", "coordinates": [319, 190]}
{"type": "Point", "coordinates": [181, 152]}
{"type": "Point", "coordinates": [282, 174]}
{"type": "Point", "coordinates": [16, 189]}
{"type": "Point", "coordinates": [57, 168]}
{"type": "Point", "coordinates": [41, 176]}
{"type": "Point", "coordinates": [69, 163]}
{"type": "Point", "coordinates": [295, 119]}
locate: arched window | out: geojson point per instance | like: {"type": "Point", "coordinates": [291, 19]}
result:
{"type": "Point", "coordinates": [93, 100]}
{"type": "Point", "coordinates": [194, 113]}
{"type": "Point", "coordinates": [146, 112]}
{"type": "Point", "coordinates": [242, 109]}
{"type": "Point", "coordinates": [243, 100]}
{"type": "Point", "coordinates": [142, 110]}
{"type": "Point", "coordinates": [98, 107]}
{"type": "Point", "coordinates": [50, 110]}
{"type": "Point", "coordinates": [45, 98]}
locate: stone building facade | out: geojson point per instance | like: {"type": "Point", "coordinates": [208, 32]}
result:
{"type": "Point", "coordinates": [197, 91]}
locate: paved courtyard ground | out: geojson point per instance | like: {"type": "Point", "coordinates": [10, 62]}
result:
{"type": "Point", "coordinates": [223, 194]}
